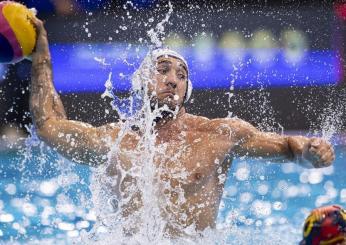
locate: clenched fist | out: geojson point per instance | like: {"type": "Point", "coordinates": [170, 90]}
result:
{"type": "Point", "coordinates": [313, 152]}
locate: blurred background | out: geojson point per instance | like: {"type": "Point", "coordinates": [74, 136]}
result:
{"type": "Point", "coordinates": [277, 64]}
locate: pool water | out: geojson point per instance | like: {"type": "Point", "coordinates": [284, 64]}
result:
{"type": "Point", "coordinates": [46, 199]}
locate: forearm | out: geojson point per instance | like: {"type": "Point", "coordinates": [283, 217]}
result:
{"type": "Point", "coordinates": [45, 103]}
{"type": "Point", "coordinates": [251, 142]}
{"type": "Point", "coordinates": [278, 148]}
{"type": "Point", "coordinates": [307, 152]}
{"type": "Point", "coordinates": [269, 146]}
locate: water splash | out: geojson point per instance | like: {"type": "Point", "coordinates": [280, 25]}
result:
{"type": "Point", "coordinates": [131, 180]}
{"type": "Point", "coordinates": [126, 107]}
{"type": "Point", "coordinates": [107, 205]}
{"type": "Point", "coordinates": [156, 34]}
{"type": "Point", "coordinates": [331, 118]}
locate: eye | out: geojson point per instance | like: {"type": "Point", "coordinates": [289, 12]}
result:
{"type": "Point", "coordinates": [181, 76]}
{"type": "Point", "coordinates": [162, 70]}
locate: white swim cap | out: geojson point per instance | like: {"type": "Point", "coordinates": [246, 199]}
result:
{"type": "Point", "coordinates": [148, 65]}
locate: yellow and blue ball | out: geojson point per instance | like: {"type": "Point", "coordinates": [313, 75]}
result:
{"type": "Point", "coordinates": [17, 33]}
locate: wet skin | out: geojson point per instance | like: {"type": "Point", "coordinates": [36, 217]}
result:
{"type": "Point", "coordinates": [194, 153]}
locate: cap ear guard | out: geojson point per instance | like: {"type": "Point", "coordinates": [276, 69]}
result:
{"type": "Point", "coordinates": [188, 91]}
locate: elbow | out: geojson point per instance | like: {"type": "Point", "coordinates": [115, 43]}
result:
{"type": "Point", "coordinates": [44, 130]}
{"type": "Point", "coordinates": [42, 133]}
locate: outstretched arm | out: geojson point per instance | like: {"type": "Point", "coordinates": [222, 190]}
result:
{"type": "Point", "coordinates": [308, 152]}
{"type": "Point", "coordinates": [75, 140]}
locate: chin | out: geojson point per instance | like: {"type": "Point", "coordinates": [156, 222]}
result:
{"type": "Point", "coordinates": [171, 104]}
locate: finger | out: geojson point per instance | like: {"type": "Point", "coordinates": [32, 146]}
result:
{"type": "Point", "coordinates": [322, 151]}
{"type": "Point", "coordinates": [321, 148]}
{"type": "Point", "coordinates": [327, 163]}
{"type": "Point", "coordinates": [315, 142]}
{"type": "Point", "coordinates": [313, 150]}
{"type": "Point", "coordinates": [36, 21]}
{"type": "Point", "coordinates": [327, 146]}
{"type": "Point", "coordinates": [38, 24]}
{"type": "Point", "coordinates": [327, 158]}
{"type": "Point", "coordinates": [318, 164]}
{"type": "Point", "coordinates": [328, 143]}
{"type": "Point", "coordinates": [318, 158]}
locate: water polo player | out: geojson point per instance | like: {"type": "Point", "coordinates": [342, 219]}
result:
{"type": "Point", "coordinates": [194, 153]}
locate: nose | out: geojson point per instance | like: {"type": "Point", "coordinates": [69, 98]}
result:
{"type": "Point", "coordinates": [171, 80]}
{"type": "Point", "coordinates": [172, 84]}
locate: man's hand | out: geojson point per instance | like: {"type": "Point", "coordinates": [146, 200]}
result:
{"type": "Point", "coordinates": [42, 46]}
{"type": "Point", "coordinates": [313, 152]}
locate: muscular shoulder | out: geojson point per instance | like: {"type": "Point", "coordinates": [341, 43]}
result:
{"type": "Point", "coordinates": [223, 126]}
{"type": "Point", "coordinates": [195, 121]}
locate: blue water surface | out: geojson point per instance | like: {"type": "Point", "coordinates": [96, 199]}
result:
{"type": "Point", "coordinates": [41, 195]}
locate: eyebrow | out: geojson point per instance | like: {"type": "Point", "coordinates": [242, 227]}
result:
{"type": "Point", "coordinates": [164, 61]}
{"type": "Point", "coordinates": [170, 63]}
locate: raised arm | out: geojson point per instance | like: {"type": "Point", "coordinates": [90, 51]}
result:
{"type": "Point", "coordinates": [308, 152]}
{"type": "Point", "coordinates": [77, 141]}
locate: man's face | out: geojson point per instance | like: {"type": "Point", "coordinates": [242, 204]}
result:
{"type": "Point", "coordinates": [171, 82]}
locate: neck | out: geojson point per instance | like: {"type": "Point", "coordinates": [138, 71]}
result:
{"type": "Point", "coordinates": [168, 118]}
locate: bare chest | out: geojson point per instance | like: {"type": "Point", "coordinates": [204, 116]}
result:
{"type": "Point", "coordinates": [183, 159]}
{"type": "Point", "coordinates": [188, 170]}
